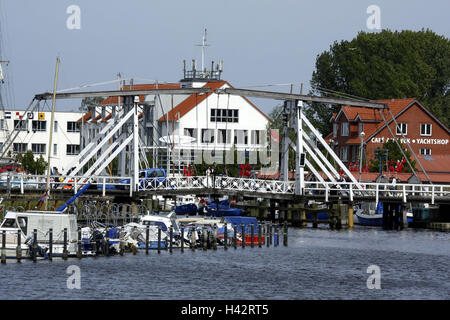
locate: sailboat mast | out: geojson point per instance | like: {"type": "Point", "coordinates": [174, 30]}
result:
{"type": "Point", "coordinates": [51, 128]}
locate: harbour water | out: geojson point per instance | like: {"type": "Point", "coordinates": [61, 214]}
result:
{"type": "Point", "coordinates": [317, 264]}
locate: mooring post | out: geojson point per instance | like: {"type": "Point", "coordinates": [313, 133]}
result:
{"type": "Point", "coordinates": [107, 242]}
{"type": "Point", "coordinates": [50, 244]}
{"type": "Point", "coordinates": [214, 242]}
{"type": "Point", "coordinates": [182, 239]}
{"type": "Point", "coordinates": [271, 233]}
{"type": "Point", "coordinates": [350, 215]}
{"type": "Point", "coordinates": [315, 224]}
{"type": "Point", "coordinates": [276, 236]}
{"type": "Point", "coordinates": [285, 235]}
{"type": "Point", "coordinates": [34, 245]}
{"type": "Point", "coordinates": [4, 246]}
{"type": "Point", "coordinates": [193, 239]}
{"type": "Point", "coordinates": [147, 235]}
{"type": "Point", "coordinates": [243, 235]}
{"type": "Point", "coordinates": [19, 246]}
{"type": "Point", "coordinates": [404, 217]}
{"type": "Point", "coordinates": [205, 239]}
{"type": "Point", "coordinates": [259, 236]}
{"type": "Point", "coordinates": [159, 239]}
{"type": "Point", "coordinates": [170, 239]}
{"type": "Point", "coordinates": [267, 239]}
{"type": "Point", "coordinates": [64, 253]}
{"type": "Point", "coordinates": [252, 234]}
{"type": "Point", "coordinates": [225, 237]}
{"type": "Point", "coordinates": [235, 237]}
{"type": "Point", "coordinates": [79, 244]}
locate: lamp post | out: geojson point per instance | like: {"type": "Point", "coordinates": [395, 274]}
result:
{"type": "Point", "coordinates": [361, 154]}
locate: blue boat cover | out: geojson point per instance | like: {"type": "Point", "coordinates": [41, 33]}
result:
{"type": "Point", "coordinates": [247, 221]}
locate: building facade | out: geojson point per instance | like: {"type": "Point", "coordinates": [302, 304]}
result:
{"type": "Point", "coordinates": [355, 128]}
{"type": "Point", "coordinates": [33, 132]}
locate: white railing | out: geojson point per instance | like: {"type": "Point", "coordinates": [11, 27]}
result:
{"type": "Point", "coordinates": [323, 190]}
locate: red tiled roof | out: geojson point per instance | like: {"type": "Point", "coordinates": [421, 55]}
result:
{"type": "Point", "coordinates": [435, 163]}
{"type": "Point", "coordinates": [190, 102]}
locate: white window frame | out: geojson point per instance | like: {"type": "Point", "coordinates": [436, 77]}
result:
{"type": "Point", "coordinates": [425, 152]}
{"type": "Point", "coordinates": [424, 125]}
{"type": "Point", "coordinates": [36, 148]}
{"type": "Point", "coordinates": [345, 127]}
{"type": "Point", "coordinates": [402, 125]}
{"type": "Point", "coordinates": [346, 153]}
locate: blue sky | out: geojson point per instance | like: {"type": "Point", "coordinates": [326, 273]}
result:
{"type": "Point", "coordinates": [260, 41]}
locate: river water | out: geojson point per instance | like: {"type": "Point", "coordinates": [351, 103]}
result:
{"type": "Point", "coordinates": [316, 264]}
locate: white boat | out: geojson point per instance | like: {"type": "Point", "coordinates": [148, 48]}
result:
{"type": "Point", "coordinates": [28, 221]}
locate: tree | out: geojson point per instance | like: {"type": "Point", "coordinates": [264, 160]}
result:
{"type": "Point", "coordinates": [31, 165]}
{"type": "Point", "coordinates": [384, 65]}
{"type": "Point", "coordinates": [88, 102]}
{"type": "Point", "coordinates": [394, 156]}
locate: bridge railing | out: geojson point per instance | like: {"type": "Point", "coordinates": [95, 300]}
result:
{"type": "Point", "coordinates": [401, 191]}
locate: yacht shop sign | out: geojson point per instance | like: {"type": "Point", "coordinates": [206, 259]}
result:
{"type": "Point", "coordinates": [408, 140]}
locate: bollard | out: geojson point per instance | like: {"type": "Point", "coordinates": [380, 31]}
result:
{"type": "Point", "coordinates": [235, 237]}
{"type": "Point", "coordinates": [205, 239]}
{"type": "Point", "coordinates": [225, 236]}
{"type": "Point", "coordinates": [182, 239]}
{"type": "Point", "coordinates": [252, 230]}
{"type": "Point", "coordinates": [285, 235]}
{"type": "Point", "coordinates": [106, 250]}
{"type": "Point", "coordinates": [259, 236]}
{"type": "Point", "coordinates": [19, 246]}
{"type": "Point", "coordinates": [243, 235]}
{"type": "Point", "coordinates": [315, 223]}
{"type": "Point", "coordinates": [214, 240]}
{"type": "Point", "coordinates": [265, 234]}
{"type": "Point", "coordinates": [64, 253]}
{"type": "Point", "coordinates": [50, 244]}
{"type": "Point", "coordinates": [34, 245]}
{"type": "Point", "coordinates": [275, 236]}
{"type": "Point", "coordinates": [268, 235]}
{"type": "Point", "coordinates": [271, 234]}
{"type": "Point", "coordinates": [79, 245]}
{"type": "Point", "coordinates": [147, 235]}
{"type": "Point", "coordinates": [193, 240]}
{"type": "Point", "coordinates": [4, 247]}
{"type": "Point", "coordinates": [170, 239]}
{"type": "Point", "coordinates": [159, 239]}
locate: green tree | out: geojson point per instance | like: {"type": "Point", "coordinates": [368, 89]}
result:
{"type": "Point", "coordinates": [384, 65]}
{"type": "Point", "coordinates": [88, 102]}
{"type": "Point", "coordinates": [394, 154]}
{"type": "Point", "coordinates": [30, 164]}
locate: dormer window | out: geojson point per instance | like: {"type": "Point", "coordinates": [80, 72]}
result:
{"type": "Point", "coordinates": [344, 130]}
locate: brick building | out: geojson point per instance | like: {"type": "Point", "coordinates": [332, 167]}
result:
{"type": "Point", "coordinates": [428, 137]}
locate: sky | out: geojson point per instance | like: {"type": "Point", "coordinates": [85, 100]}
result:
{"type": "Point", "coordinates": [262, 42]}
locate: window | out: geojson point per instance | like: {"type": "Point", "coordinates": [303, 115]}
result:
{"type": "Point", "coordinates": [344, 153]}
{"type": "Point", "coordinates": [73, 126]}
{"type": "Point", "coordinates": [425, 129]}
{"type": "Point", "coordinates": [38, 148]}
{"type": "Point", "coordinates": [39, 125]}
{"type": "Point", "coordinates": [224, 115]}
{"type": "Point", "coordinates": [402, 128]}
{"type": "Point", "coordinates": [72, 149]}
{"type": "Point", "coordinates": [425, 152]}
{"type": "Point", "coordinates": [207, 135]}
{"type": "Point", "coordinates": [2, 124]}
{"type": "Point", "coordinates": [360, 128]}
{"type": "Point", "coordinates": [344, 131]}
{"type": "Point", "coordinates": [20, 147]}
{"type": "Point", "coordinates": [190, 132]}
{"type": "Point", "coordinates": [20, 125]}
{"type": "Point", "coordinates": [23, 223]}
{"type": "Point", "coordinates": [224, 136]}
{"type": "Point", "coordinates": [1, 146]}
{"type": "Point", "coordinates": [55, 128]}
{"type": "Point", "coordinates": [335, 130]}
{"type": "Point", "coordinates": [240, 136]}
{"type": "Point", "coordinates": [55, 149]}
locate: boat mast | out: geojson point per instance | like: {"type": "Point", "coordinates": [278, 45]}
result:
{"type": "Point", "coordinates": [51, 130]}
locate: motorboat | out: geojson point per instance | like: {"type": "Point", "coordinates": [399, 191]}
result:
{"type": "Point", "coordinates": [370, 214]}
{"type": "Point", "coordinates": [42, 221]}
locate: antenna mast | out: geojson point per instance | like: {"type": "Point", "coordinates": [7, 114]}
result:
{"type": "Point", "coordinates": [203, 45]}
